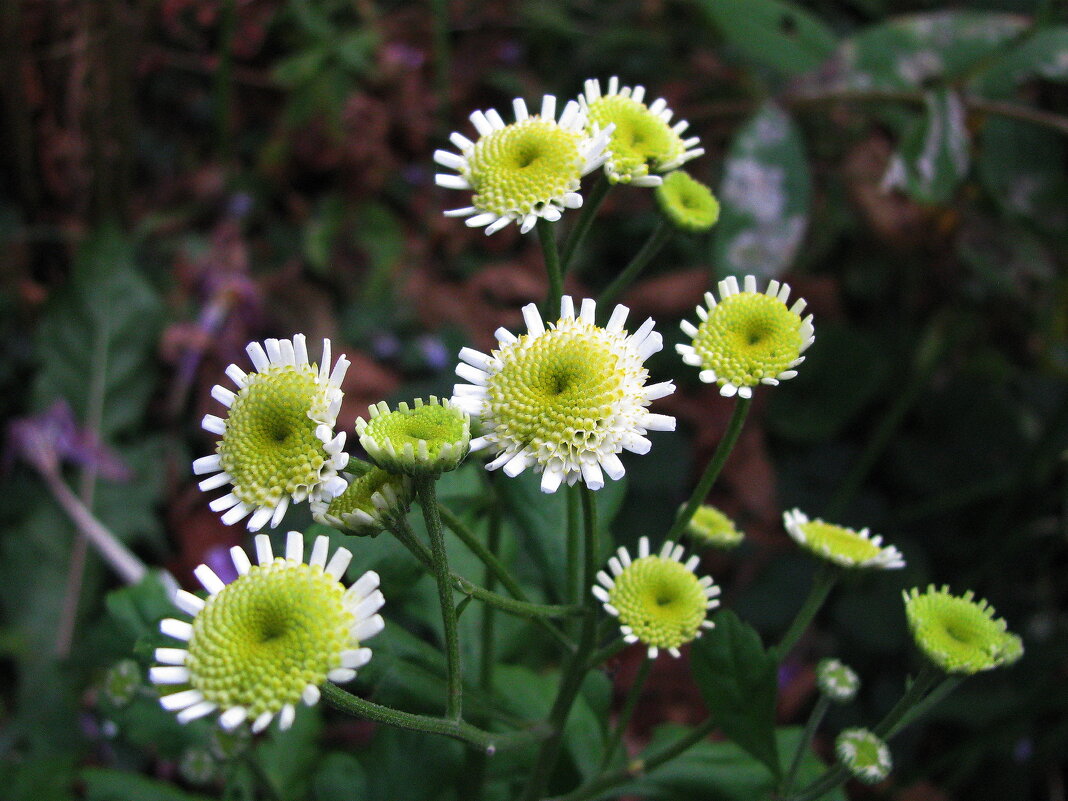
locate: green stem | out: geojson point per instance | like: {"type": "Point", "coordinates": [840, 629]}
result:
{"type": "Point", "coordinates": [493, 543]}
{"type": "Point", "coordinates": [715, 464]}
{"type": "Point", "coordinates": [536, 612]}
{"type": "Point", "coordinates": [494, 567]}
{"type": "Point", "coordinates": [604, 654]}
{"type": "Point", "coordinates": [487, 741]}
{"type": "Point", "coordinates": [657, 239]}
{"type": "Point", "coordinates": [424, 488]}
{"type": "Point", "coordinates": [589, 211]}
{"type": "Point", "coordinates": [919, 687]}
{"type": "Point", "coordinates": [633, 694]}
{"type": "Point", "coordinates": [547, 238]}
{"type": "Point", "coordinates": [263, 780]}
{"type": "Point", "coordinates": [822, 584]}
{"type": "Point", "coordinates": [814, 720]}
{"type": "Point", "coordinates": [576, 669]}
{"type": "Point", "coordinates": [573, 592]}
{"type": "Point", "coordinates": [640, 766]}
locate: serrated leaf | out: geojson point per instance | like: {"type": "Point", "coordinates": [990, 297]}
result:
{"type": "Point", "coordinates": [917, 49]}
{"type": "Point", "coordinates": [1044, 55]}
{"type": "Point", "coordinates": [737, 679]}
{"type": "Point", "coordinates": [935, 153]}
{"type": "Point", "coordinates": [764, 195]}
{"type": "Point", "coordinates": [96, 338]}
{"type": "Point", "coordinates": [780, 36]}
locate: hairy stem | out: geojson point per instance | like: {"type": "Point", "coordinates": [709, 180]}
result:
{"type": "Point", "coordinates": [589, 211]}
{"type": "Point", "coordinates": [822, 584]}
{"type": "Point", "coordinates": [547, 238]}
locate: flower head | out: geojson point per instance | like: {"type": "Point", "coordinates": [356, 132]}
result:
{"type": "Point", "coordinates": [564, 399]}
{"type": "Point", "coordinates": [278, 443]}
{"type": "Point", "coordinates": [837, 680]}
{"type": "Point", "coordinates": [658, 599]}
{"type": "Point", "coordinates": [428, 438]}
{"type": "Point", "coordinates": [865, 756]}
{"type": "Point", "coordinates": [710, 527]}
{"type": "Point", "coordinates": [270, 638]}
{"type": "Point", "coordinates": [748, 338]}
{"type": "Point", "coordinates": [643, 139]}
{"type": "Point", "coordinates": [374, 500]}
{"type": "Point", "coordinates": [841, 545]}
{"type": "Point", "coordinates": [687, 203]}
{"type": "Point", "coordinates": [958, 633]}
{"type": "Point", "coordinates": [527, 170]}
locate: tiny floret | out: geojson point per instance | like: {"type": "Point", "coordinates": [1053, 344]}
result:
{"type": "Point", "coordinates": [268, 640]}
{"type": "Point", "coordinates": [565, 398]}
{"type": "Point", "coordinates": [864, 755]}
{"type": "Point", "coordinates": [710, 527]}
{"type": "Point", "coordinates": [277, 439]}
{"type": "Point", "coordinates": [425, 439]}
{"type": "Point", "coordinates": [374, 500]}
{"type": "Point", "coordinates": [687, 203]}
{"type": "Point", "coordinates": [748, 337]}
{"type": "Point", "coordinates": [528, 170]}
{"type": "Point", "coordinates": [644, 142]}
{"type": "Point", "coordinates": [659, 600]}
{"type": "Point", "coordinates": [837, 680]}
{"type": "Point", "coordinates": [840, 545]}
{"type": "Point", "coordinates": [958, 633]}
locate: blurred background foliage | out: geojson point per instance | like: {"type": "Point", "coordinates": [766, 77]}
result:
{"type": "Point", "coordinates": [182, 176]}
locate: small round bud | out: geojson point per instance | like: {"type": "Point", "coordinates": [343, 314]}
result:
{"type": "Point", "coordinates": [374, 500]}
{"type": "Point", "coordinates": [710, 527]}
{"type": "Point", "coordinates": [865, 756]}
{"type": "Point", "coordinates": [687, 203]}
{"type": "Point", "coordinates": [837, 681]}
{"type": "Point", "coordinates": [426, 439]}
{"type": "Point", "coordinates": [122, 682]}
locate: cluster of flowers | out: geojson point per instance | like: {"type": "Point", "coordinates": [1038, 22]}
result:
{"type": "Point", "coordinates": [564, 399]}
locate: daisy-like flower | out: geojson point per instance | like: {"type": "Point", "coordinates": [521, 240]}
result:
{"type": "Point", "coordinates": [959, 633]}
{"type": "Point", "coordinates": [659, 600]}
{"type": "Point", "coordinates": [278, 443]}
{"type": "Point", "coordinates": [837, 680]}
{"type": "Point", "coordinates": [527, 170]}
{"type": "Point", "coordinates": [643, 139]}
{"type": "Point", "coordinates": [564, 399]}
{"type": "Point", "coordinates": [710, 527]}
{"type": "Point", "coordinates": [748, 337]}
{"type": "Point", "coordinates": [864, 755]}
{"type": "Point", "coordinates": [428, 438]}
{"type": "Point", "coordinates": [841, 545]}
{"type": "Point", "coordinates": [374, 500]}
{"type": "Point", "coordinates": [269, 639]}
{"type": "Point", "coordinates": [687, 203]}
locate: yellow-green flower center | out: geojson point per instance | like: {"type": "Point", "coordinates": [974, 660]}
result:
{"type": "Point", "coordinates": [709, 526]}
{"type": "Point", "coordinates": [265, 637]}
{"type": "Point", "coordinates": [688, 203]}
{"type": "Point", "coordinates": [437, 426]}
{"type": "Point", "coordinates": [358, 495]}
{"type": "Point", "coordinates": [748, 336]}
{"type": "Point", "coordinates": [641, 140]}
{"type": "Point", "coordinates": [555, 392]}
{"type": "Point", "coordinates": [958, 634]}
{"type": "Point", "coordinates": [662, 602]}
{"type": "Point", "coordinates": [843, 543]}
{"type": "Point", "coordinates": [269, 447]}
{"type": "Point", "coordinates": [524, 165]}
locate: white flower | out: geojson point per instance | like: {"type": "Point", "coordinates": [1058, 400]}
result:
{"type": "Point", "coordinates": [525, 170]}
{"type": "Point", "coordinates": [266, 641]}
{"type": "Point", "coordinates": [841, 545]}
{"type": "Point", "coordinates": [564, 399]}
{"type": "Point", "coordinates": [643, 139]}
{"type": "Point", "coordinates": [278, 442]}
{"type": "Point", "coordinates": [659, 601]}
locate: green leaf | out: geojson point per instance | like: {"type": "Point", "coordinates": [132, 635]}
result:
{"type": "Point", "coordinates": [288, 757]}
{"type": "Point", "coordinates": [918, 49]}
{"type": "Point", "coordinates": [95, 342]}
{"type": "Point", "coordinates": [717, 771]}
{"type": "Point", "coordinates": [1044, 55]}
{"type": "Point", "coordinates": [339, 776]}
{"type": "Point", "coordinates": [410, 766]}
{"type": "Point", "coordinates": [1015, 167]}
{"type": "Point", "coordinates": [934, 156]}
{"type": "Point", "coordinates": [139, 608]}
{"type": "Point", "coordinates": [778, 35]}
{"type": "Point", "coordinates": [737, 679]}
{"type": "Point", "coordinates": [103, 784]}
{"type": "Point", "coordinates": [765, 196]}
